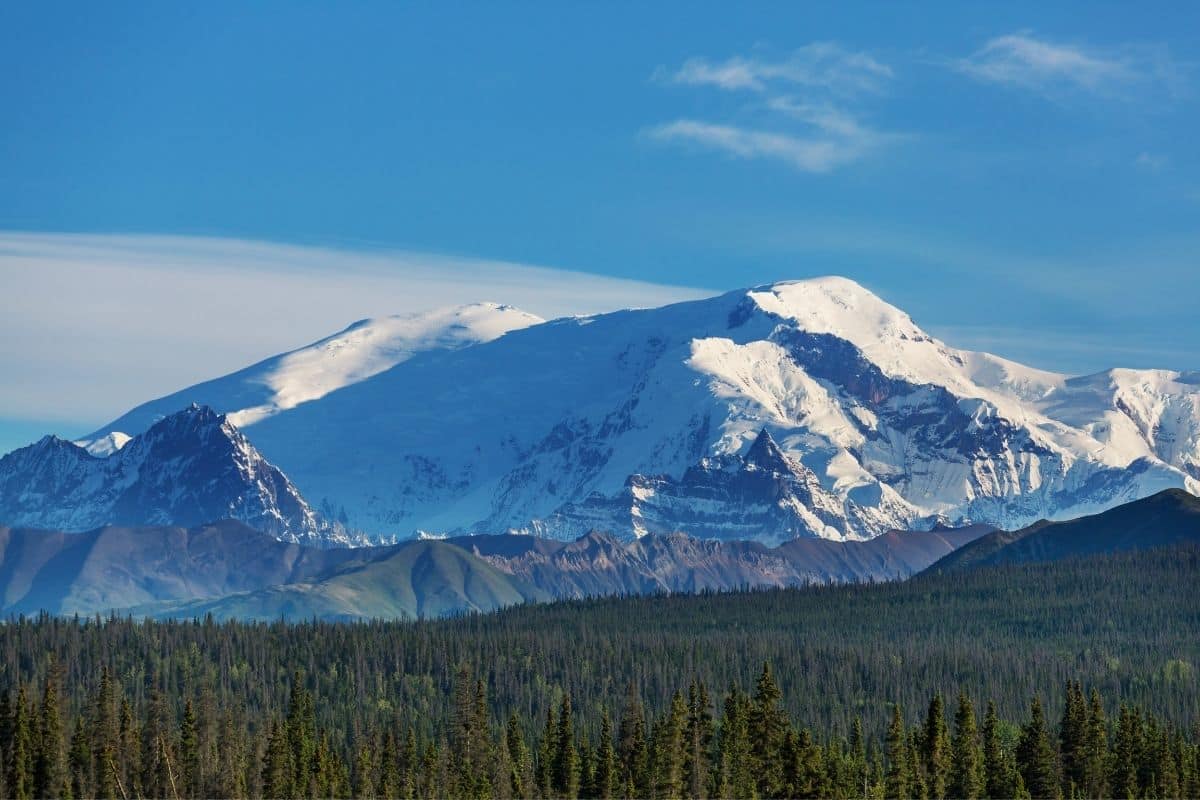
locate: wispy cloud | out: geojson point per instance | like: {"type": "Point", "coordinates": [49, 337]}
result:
{"type": "Point", "coordinates": [820, 65]}
{"type": "Point", "coordinates": [1024, 61]}
{"type": "Point", "coordinates": [837, 139]}
{"type": "Point", "coordinates": [92, 324]}
{"type": "Point", "coordinates": [803, 103]}
{"type": "Point", "coordinates": [807, 155]}
{"type": "Point", "coordinates": [1152, 162]}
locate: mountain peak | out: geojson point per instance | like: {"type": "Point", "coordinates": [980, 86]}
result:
{"type": "Point", "coordinates": [190, 467]}
{"type": "Point", "coordinates": [765, 454]}
{"type": "Point", "coordinates": [194, 418]}
{"type": "Point", "coordinates": [835, 305]}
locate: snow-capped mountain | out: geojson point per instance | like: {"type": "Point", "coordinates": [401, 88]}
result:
{"type": "Point", "coordinates": [189, 468]}
{"type": "Point", "coordinates": [646, 421]}
{"type": "Point", "coordinates": [365, 348]}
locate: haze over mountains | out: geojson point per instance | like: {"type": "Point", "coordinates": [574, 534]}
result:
{"type": "Point", "coordinates": [486, 419]}
{"type": "Point", "coordinates": [232, 571]}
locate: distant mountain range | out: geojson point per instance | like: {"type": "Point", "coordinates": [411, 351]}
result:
{"type": "Point", "coordinates": [485, 419]}
{"type": "Point", "coordinates": [231, 570]}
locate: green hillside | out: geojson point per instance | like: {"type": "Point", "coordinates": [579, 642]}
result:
{"type": "Point", "coordinates": [417, 580]}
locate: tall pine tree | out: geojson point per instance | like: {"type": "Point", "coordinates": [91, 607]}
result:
{"type": "Point", "coordinates": [1035, 756]}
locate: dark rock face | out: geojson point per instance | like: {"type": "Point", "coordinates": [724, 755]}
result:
{"type": "Point", "coordinates": [762, 495]}
{"type": "Point", "coordinates": [189, 468]}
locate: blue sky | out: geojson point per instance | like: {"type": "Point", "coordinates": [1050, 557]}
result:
{"type": "Point", "coordinates": [1020, 178]}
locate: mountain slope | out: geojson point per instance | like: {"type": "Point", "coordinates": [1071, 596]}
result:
{"type": "Point", "coordinates": [601, 564]}
{"type": "Point", "coordinates": [415, 580]}
{"type": "Point", "coordinates": [365, 348]}
{"type": "Point", "coordinates": [595, 422]}
{"type": "Point", "coordinates": [232, 571]}
{"type": "Point", "coordinates": [186, 469]}
{"type": "Point", "coordinates": [120, 567]}
{"type": "Point", "coordinates": [1167, 518]}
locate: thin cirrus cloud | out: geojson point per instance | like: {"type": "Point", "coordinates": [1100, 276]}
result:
{"type": "Point", "coordinates": [131, 317]}
{"type": "Point", "coordinates": [1024, 61]}
{"type": "Point", "coordinates": [804, 101]}
{"type": "Point", "coordinates": [823, 65]}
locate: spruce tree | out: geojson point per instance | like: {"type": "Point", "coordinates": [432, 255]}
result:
{"type": "Point", "coordinates": [997, 773]}
{"type": "Point", "coordinates": [21, 749]}
{"type": "Point", "coordinates": [131, 751]}
{"type": "Point", "coordinates": [1035, 756]}
{"type": "Point", "coordinates": [50, 773]}
{"type": "Point", "coordinates": [520, 778]}
{"type": "Point", "coordinates": [6, 738]}
{"type": "Point", "coordinates": [189, 753]}
{"type": "Point", "coordinates": [363, 785]}
{"type": "Point", "coordinates": [1123, 775]}
{"type": "Point", "coordinates": [966, 771]}
{"type": "Point", "coordinates": [1095, 767]}
{"type": "Point", "coordinates": [231, 773]}
{"type": "Point", "coordinates": [80, 762]}
{"type": "Point", "coordinates": [277, 764]}
{"type": "Point", "coordinates": [605, 779]}
{"type": "Point", "coordinates": [735, 767]}
{"type": "Point", "coordinates": [897, 783]}
{"type": "Point", "coordinates": [633, 749]}
{"type": "Point", "coordinates": [1072, 740]}
{"type": "Point", "coordinates": [936, 748]}
{"type": "Point", "coordinates": [157, 771]}
{"type": "Point", "coordinates": [547, 752]}
{"type": "Point", "coordinates": [669, 750]}
{"type": "Point", "coordinates": [918, 783]}
{"type": "Point", "coordinates": [1166, 770]}
{"type": "Point", "coordinates": [301, 733]}
{"type": "Point", "coordinates": [566, 757]}
{"type": "Point", "coordinates": [103, 731]}
{"type": "Point", "coordinates": [858, 758]}
{"type": "Point", "coordinates": [698, 737]}
{"type": "Point", "coordinates": [409, 759]}
{"type": "Point", "coordinates": [767, 731]}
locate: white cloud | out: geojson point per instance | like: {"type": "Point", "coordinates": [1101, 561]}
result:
{"type": "Point", "coordinates": [838, 140]}
{"type": "Point", "coordinates": [91, 325]}
{"type": "Point", "coordinates": [817, 133]}
{"type": "Point", "coordinates": [1023, 61]}
{"type": "Point", "coordinates": [820, 65]}
{"type": "Point", "coordinates": [1152, 162]}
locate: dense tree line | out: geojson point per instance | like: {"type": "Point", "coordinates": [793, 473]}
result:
{"type": "Point", "coordinates": [745, 746]}
{"type": "Point", "coordinates": [161, 708]}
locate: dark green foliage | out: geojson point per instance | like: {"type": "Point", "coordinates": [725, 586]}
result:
{"type": "Point", "coordinates": [935, 746]}
{"type": "Point", "coordinates": [735, 767]}
{"type": "Point", "coordinates": [1036, 759]}
{"type": "Point", "coordinates": [50, 771]}
{"type": "Point", "coordinates": [456, 707]}
{"type": "Point", "coordinates": [966, 776]}
{"type": "Point", "coordinates": [605, 775]}
{"type": "Point", "coordinates": [698, 741]}
{"type": "Point", "coordinates": [19, 749]}
{"type": "Point", "coordinates": [898, 785]}
{"type": "Point", "coordinates": [767, 729]}
{"type": "Point", "coordinates": [565, 758]}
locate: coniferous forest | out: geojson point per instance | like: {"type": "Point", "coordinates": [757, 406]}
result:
{"type": "Point", "coordinates": [1071, 679]}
